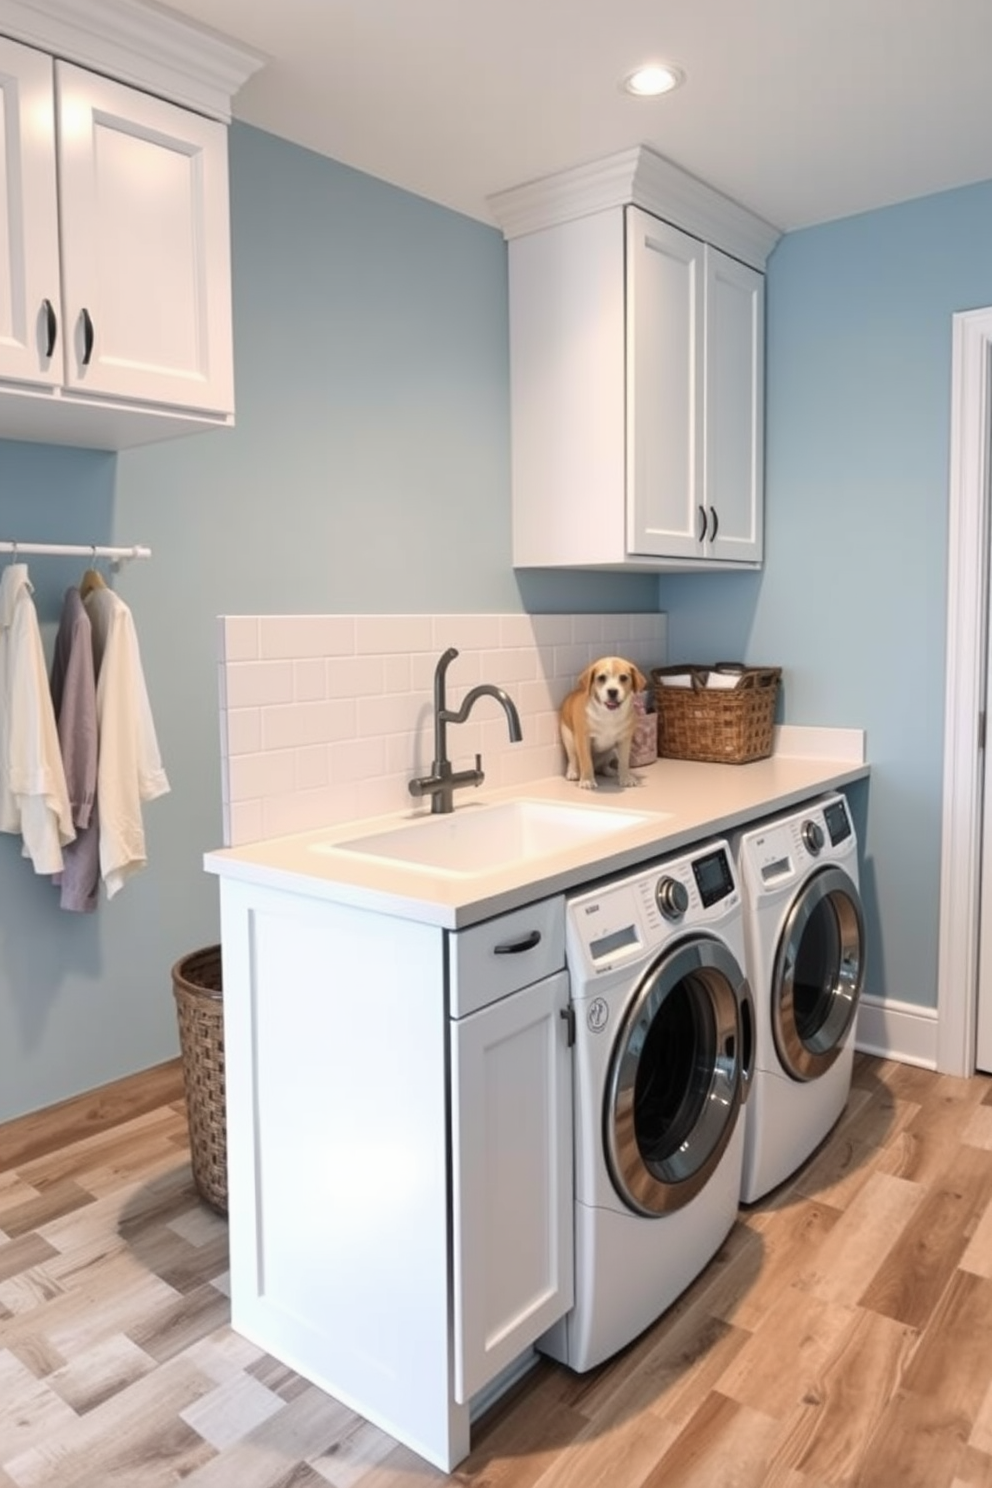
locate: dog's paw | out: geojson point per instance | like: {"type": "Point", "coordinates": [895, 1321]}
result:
{"type": "Point", "coordinates": [626, 780]}
{"type": "Point", "coordinates": [571, 773]}
{"type": "Point", "coordinates": [589, 784]}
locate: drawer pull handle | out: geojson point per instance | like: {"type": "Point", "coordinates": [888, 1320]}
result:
{"type": "Point", "coordinates": [51, 328]}
{"type": "Point", "coordinates": [87, 336]}
{"type": "Point", "coordinates": [514, 947]}
{"type": "Point", "coordinates": [702, 523]}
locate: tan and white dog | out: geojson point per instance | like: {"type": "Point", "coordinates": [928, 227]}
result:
{"type": "Point", "coordinates": [597, 721]}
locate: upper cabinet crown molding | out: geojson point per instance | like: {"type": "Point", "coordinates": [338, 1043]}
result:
{"type": "Point", "coordinates": [643, 178]}
{"type": "Point", "coordinates": [139, 44]}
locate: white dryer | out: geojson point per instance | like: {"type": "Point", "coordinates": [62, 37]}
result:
{"type": "Point", "coordinates": [805, 943]}
{"type": "Point", "coordinates": [662, 1015]}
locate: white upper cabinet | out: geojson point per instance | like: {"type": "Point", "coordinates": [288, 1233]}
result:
{"type": "Point", "coordinates": [636, 369]}
{"type": "Point", "coordinates": [30, 300]}
{"type": "Point", "coordinates": [145, 246]}
{"type": "Point", "coordinates": [115, 277]}
{"type": "Point", "coordinates": [695, 376]}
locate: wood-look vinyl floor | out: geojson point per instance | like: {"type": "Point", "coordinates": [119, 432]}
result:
{"type": "Point", "coordinates": [842, 1336]}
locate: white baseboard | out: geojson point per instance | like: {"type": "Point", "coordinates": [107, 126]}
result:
{"type": "Point", "coordinates": [897, 1030]}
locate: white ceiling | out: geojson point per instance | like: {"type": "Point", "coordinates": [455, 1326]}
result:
{"type": "Point", "coordinates": [801, 110]}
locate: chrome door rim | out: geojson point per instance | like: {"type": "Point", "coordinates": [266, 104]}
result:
{"type": "Point", "coordinates": [808, 1059]}
{"type": "Point", "coordinates": [657, 1189]}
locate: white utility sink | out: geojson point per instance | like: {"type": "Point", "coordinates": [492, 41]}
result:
{"type": "Point", "coordinates": [480, 839]}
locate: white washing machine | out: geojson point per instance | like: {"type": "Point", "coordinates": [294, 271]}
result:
{"type": "Point", "coordinates": [805, 941]}
{"type": "Point", "coordinates": [662, 1028]}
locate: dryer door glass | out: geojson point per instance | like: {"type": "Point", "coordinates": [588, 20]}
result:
{"type": "Point", "coordinates": [676, 1077]}
{"type": "Point", "coordinates": [819, 972]}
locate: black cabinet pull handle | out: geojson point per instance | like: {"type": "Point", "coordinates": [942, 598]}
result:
{"type": "Point", "coordinates": [702, 523]}
{"type": "Point", "coordinates": [514, 947]}
{"type": "Point", "coordinates": [87, 336]}
{"type": "Point", "coordinates": [716, 524]}
{"type": "Point", "coordinates": [51, 326]}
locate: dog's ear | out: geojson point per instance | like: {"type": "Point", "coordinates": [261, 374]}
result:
{"type": "Point", "coordinates": [639, 679]}
{"type": "Point", "coordinates": [587, 677]}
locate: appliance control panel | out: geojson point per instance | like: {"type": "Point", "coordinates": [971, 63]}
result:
{"type": "Point", "coordinates": [783, 850]}
{"type": "Point", "coordinates": [620, 922]}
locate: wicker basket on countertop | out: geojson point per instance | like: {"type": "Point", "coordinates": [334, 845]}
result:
{"type": "Point", "coordinates": [197, 984]}
{"type": "Point", "coordinates": [726, 725]}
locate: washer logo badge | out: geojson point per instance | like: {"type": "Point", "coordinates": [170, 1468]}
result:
{"type": "Point", "coordinates": [597, 1016]}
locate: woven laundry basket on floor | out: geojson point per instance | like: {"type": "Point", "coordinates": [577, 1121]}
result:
{"type": "Point", "coordinates": [197, 984]}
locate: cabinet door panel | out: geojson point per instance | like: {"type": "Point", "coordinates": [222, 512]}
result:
{"type": "Point", "coordinates": [734, 406]}
{"type": "Point", "coordinates": [665, 289]}
{"type": "Point", "coordinates": [145, 245]}
{"type": "Point", "coordinates": [29, 237]}
{"type": "Point", "coordinates": [512, 1179]}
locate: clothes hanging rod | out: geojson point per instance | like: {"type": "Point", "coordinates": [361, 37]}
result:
{"type": "Point", "coordinates": [117, 556]}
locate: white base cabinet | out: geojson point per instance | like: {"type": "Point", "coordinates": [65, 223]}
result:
{"type": "Point", "coordinates": [399, 1177]}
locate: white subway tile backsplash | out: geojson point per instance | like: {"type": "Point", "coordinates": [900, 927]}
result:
{"type": "Point", "coordinates": [244, 730]}
{"type": "Point", "coordinates": [271, 773]}
{"type": "Point", "coordinates": [239, 635]}
{"type": "Point", "coordinates": [553, 630]}
{"type": "Point", "coordinates": [356, 676]}
{"type": "Point", "coordinates": [591, 629]}
{"type": "Point", "coordinates": [244, 821]}
{"type": "Point", "coordinates": [516, 630]}
{"type": "Point", "coordinates": [255, 683]}
{"type": "Point", "coordinates": [385, 635]}
{"type": "Point", "coordinates": [310, 680]}
{"type": "Point", "coordinates": [518, 664]}
{"type": "Point", "coordinates": [402, 753]}
{"type": "Point", "coordinates": [391, 714]}
{"type": "Point", "coordinates": [466, 632]}
{"type": "Point", "coordinates": [295, 636]}
{"type": "Point", "coordinates": [355, 759]}
{"type": "Point", "coordinates": [396, 673]}
{"type": "Point", "coordinates": [300, 724]}
{"type": "Point", "coordinates": [313, 767]}
{"type": "Point", "coordinates": [326, 718]}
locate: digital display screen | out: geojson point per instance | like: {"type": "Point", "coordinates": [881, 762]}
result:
{"type": "Point", "coordinates": [714, 879]}
{"type": "Point", "coordinates": [617, 940]}
{"type": "Point", "coordinates": [835, 816]}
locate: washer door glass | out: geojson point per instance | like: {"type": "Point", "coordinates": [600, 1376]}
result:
{"type": "Point", "coordinates": [676, 1077]}
{"type": "Point", "coordinates": [819, 971]}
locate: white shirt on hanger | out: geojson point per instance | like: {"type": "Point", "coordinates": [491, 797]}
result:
{"type": "Point", "coordinates": [34, 800]}
{"type": "Point", "coordinates": [129, 769]}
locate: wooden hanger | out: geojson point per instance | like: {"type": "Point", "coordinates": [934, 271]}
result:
{"type": "Point", "coordinates": [92, 579]}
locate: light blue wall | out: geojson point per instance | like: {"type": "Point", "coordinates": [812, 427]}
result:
{"type": "Point", "coordinates": [852, 598]}
{"type": "Point", "coordinates": [368, 472]}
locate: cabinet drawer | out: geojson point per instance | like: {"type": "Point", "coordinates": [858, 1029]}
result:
{"type": "Point", "coordinates": [491, 960]}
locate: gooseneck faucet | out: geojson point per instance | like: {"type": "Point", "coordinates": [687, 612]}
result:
{"type": "Point", "coordinates": [443, 781]}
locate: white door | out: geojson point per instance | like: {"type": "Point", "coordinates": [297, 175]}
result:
{"type": "Point", "coordinates": [983, 1039]}
{"type": "Point", "coordinates": [512, 1178]}
{"type": "Point", "coordinates": [734, 476]}
{"type": "Point", "coordinates": [30, 306]}
{"type": "Point", "coordinates": [665, 372]}
{"type": "Point", "coordinates": [145, 246]}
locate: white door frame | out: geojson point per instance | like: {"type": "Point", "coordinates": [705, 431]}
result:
{"type": "Point", "coordinates": [967, 603]}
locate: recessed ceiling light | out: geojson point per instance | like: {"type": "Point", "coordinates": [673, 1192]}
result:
{"type": "Point", "coordinates": [653, 79]}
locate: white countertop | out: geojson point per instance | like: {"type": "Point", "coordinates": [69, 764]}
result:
{"type": "Point", "coordinates": [685, 803]}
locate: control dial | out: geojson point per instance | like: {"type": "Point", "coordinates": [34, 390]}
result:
{"type": "Point", "coordinates": [812, 835]}
{"type": "Point", "coordinates": [673, 898]}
